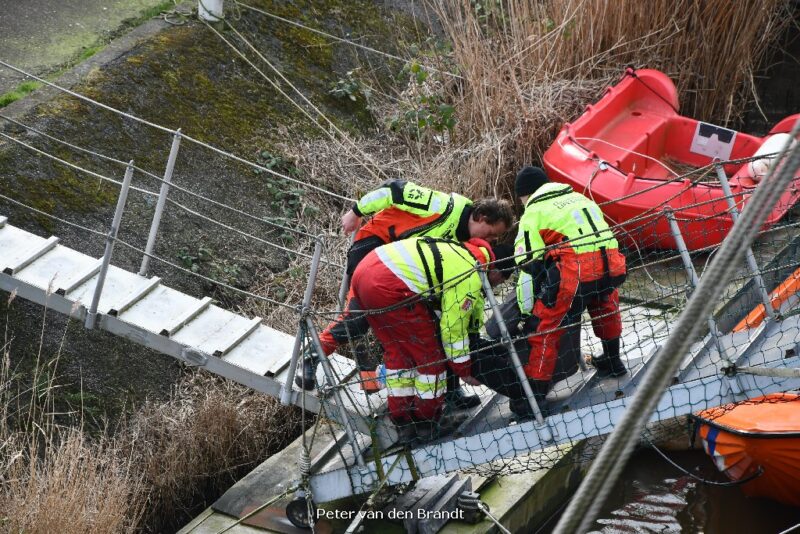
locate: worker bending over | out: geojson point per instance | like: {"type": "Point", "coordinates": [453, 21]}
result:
{"type": "Point", "coordinates": [430, 298]}
{"type": "Point", "coordinates": [400, 210]}
{"type": "Point", "coordinates": [569, 262]}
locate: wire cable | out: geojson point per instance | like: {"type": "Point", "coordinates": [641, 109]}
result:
{"type": "Point", "coordinates": [149, 174]}
{"type": "Point", "coordinates": [151, 256]}
{"type": "Point", "coordinates": [301, 95]}
{"type": "Point", "coordinates": [167, 130]}
{"type": "Point", "coordinates": [173, 202]}
{"type": "Point", "coordinates": [341, 39]}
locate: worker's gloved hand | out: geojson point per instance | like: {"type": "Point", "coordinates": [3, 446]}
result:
{"type": "Point", "coordinates": [551, 283]}
{"type": "Point", "coordinates": [471, 380]}
{"type": "Point", "coordinates": [350, 222]}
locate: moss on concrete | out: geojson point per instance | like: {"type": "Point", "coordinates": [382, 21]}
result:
{"type": "Point", "coordinates": [184, 77]}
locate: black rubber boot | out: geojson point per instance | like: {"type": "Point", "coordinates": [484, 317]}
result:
{"type": "Point", "coordinates": [308, 379]}
{"type": "Point", "coordinates": [428, 431]}
{"type": "Point", "coordinates": [522, 409]}
{"type": "Point", "coordinates": [455, 398]}
{"type": "Point", "coordinates": [610, 363]}
{"type": "Point", "coordinates": [458, 400]}
{"type": "Point", "coordinates": [406, 433]}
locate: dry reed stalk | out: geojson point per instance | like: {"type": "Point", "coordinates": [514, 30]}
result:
{"type": "Point", "coordinates": [196, 445]}
{"type": "Point", "coordinates": [528, 66]}
{"type": "Point", "coordinates": [55, 478]}
{"type": "Point", "coordinates": [73, 486]}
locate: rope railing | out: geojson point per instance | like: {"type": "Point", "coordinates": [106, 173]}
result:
{"type": "Point", "coordinates": [152, 256]}
{"type": "Point", "coordinates": [171, 201]}
{"type": "Point", "coordinates": [173, 132]}
{"type": "Point", "coordinates": [158, 179]}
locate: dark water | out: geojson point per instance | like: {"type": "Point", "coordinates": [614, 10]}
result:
{"type": "Point", "coordinates": [652, 496]}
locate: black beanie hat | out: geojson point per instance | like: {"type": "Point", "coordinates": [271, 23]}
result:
{"type": "Point", "coordinates": [529, 179]}
{"type": "Point", "coordinates": [504, 259]}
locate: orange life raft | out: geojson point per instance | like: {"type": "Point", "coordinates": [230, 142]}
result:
{"type": "Point", "coordinates": [757, 434]}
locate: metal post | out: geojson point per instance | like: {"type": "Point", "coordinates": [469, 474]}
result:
{"type": "Point", "coordinates": [526, 387]}
{"type": "Point", "coordinates": [345, 285]}
{"type": "Point", "coordinates": [687, 264]}
{"type": "Point", "coordinates": [751, 259]}
{"type": "Point", "coordinates": [91, 316]}
{"type": "Point", "coordinates": [210, 10]}
{"type": "Point", "coordinates": [162, 199]}
{"type": "Point", "coordinates": [337, 393]}
{"type": "Point", "coordinates": [286, 389]}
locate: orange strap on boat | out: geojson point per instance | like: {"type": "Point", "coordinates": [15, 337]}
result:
{"type": "Point", "coordinates": [779, 295]}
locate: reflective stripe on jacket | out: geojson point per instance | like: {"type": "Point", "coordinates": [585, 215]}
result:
{"type": "Point", "coordinates": [573, 229]}
{"type": "Point", "coordinates": [444, 272]}
{"type": "Point", "coordinates": [403, 209]}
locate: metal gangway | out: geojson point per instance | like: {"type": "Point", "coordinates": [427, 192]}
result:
{"type": "Point", "coordinates": [201, 334]}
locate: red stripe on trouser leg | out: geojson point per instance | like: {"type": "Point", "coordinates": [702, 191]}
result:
{"type": "Point", "coordinates": [408, 335]}
{"type": "Point", "coordinates": [606, 319]}
{"type": "Point", "coordinates": [545, 340]}
{"type": "Point", "coordinates": [430, 363]}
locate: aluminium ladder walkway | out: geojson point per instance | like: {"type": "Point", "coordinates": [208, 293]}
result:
{"type": "Point", "coordinates": [149, 313]}
{"type": "Point", "coordinates": [200, 334]}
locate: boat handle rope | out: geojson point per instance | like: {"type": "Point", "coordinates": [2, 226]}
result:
{"type": "Point", "coordinates": [758, 473]}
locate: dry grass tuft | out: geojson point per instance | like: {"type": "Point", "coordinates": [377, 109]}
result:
{"type": "Point", "coordinates": [65, 483]}
{"type": "Point", "coordinates": [171, 459]}
{"type": "Point", "coordinates": [194, 446]}
{"type": "Point", "coordinates": [529, 66]}
{"type": "Point", "coordinates": [55, 478]}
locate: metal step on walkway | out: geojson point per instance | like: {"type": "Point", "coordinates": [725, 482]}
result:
{"type": "Point", "coordinates": [151, 314]}
{"type": "Point", "coordinates": [244, 350]}
{"type": "Point", "coordinates": [598, 407]}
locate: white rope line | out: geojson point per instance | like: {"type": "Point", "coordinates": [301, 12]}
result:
{"type": "Point", "coordinates": [629, 151]}
{"type": "Point", "coordinates": [73, 166]}
{"type": "Point", "coordinates": [167, 130]}
{"type": "Point", "coordinates": [343, 40]}
{"type": "Point", "coordinates": [206, 278]}
{"type": "Point", "coordinates": [274, 84]}
{"type": "Point", "coordinates": [149, 174]}
{"type": "Point", "coordinates": [249, 236]}
{"type": "Point", "coordinates": [141, 251]}
{"type": "Point", "coordinates": [68, 223]}
{"type": "Point", "coordinates": [366, 157]}
{"type": "Point", "coordinates": [177, 204]}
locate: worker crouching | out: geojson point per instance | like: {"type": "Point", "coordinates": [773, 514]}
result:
{"type": "Point", "coordinates": [422, 298]}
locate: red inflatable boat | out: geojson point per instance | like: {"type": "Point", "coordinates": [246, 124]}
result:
{"type": "Point", "coordinates": [635, 155]}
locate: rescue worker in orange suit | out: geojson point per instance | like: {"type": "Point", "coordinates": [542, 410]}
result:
{"type": "Point", "coordinates": [400, 210]}
{"type": "Point", "coordinates": [433, 299]}
{"type": "Point", "coordinates": [569, 261]}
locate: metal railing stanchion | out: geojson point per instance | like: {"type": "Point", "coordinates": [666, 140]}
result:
{"type": "Point", "coordinates": [694, 280]}
{"type": "Point", "coordinates": [287, 388]}
{"type": "Point", "coordinates": [750, 257]}
{"type": "Point", "coordinates": [91, 315]}
{"type": "Point", "coordinates": [162, 199]}
{"type": "Point", "coordinates": [518, 368]}
{"type": "Point", "coordinates": [337, 392]}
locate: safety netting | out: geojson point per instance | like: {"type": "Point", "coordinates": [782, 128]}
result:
{"type": "Point", "coordinates": [487, 424]}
